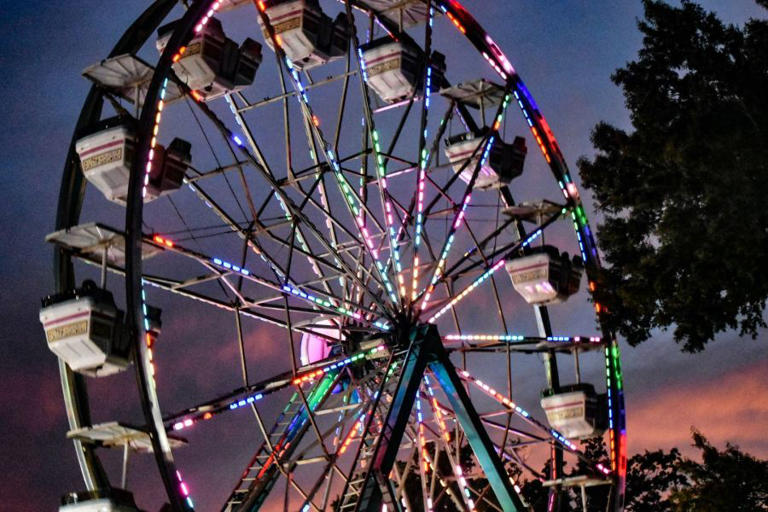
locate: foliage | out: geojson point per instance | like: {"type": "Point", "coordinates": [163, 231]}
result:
{"type": "Point", "coordinates": [724, 481]}
{"type": "Point", "coordinates": [650, 477]}
{"type": "Point", "coordinates": [685, 233]}
{"type": "Point", "coordinates": [716, 481]}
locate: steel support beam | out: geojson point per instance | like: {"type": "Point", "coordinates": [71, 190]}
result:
{"type": "Point", "coordinates": [473, 428]}
{"type": "Point", "coordinates": [426, 351]}
{"type": "Point", "coordinates": [421, 340]}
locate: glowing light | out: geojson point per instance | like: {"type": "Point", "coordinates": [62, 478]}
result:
{"type": "Point", "coordinates": [321, 302]}
{"type": "Point", "coordinates": [477, 282]}
{"type": "Point", "coordinates": [147, 171]}
{"type": "Point", "coordinates": [310, 376]}
{"type": "Point", "coordinates": [353, 203]}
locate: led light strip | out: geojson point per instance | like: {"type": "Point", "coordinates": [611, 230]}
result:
{"type": "Point", "coordinates": [308, 377]}
{"type": "Point", "coordinates": [423, 453]}
{"type": "Point", "coordinates": [361, 416]}
{"type": "Point", "coordinates": [438, 413]}
{"type": "Point", "coordinates": [477, 282]}
{"type": "Point", "coordinates": [485, 275]}
{"type": "Point", "coordinates": [457, 468]}
{"type": "Point", "coordinates": [283, 207]}
{"type": "Point", "coordinates": [512, 406]}
{"type": "Point", "coordinates": [381, 170]}
{"type": "Point", "coordinates": [349, 197]}
{"type": "Point", "coordinates": [322, 302]}
{"type": "Point", "coordinates": [423, 160]}
{"type": "Point", "coordinates": [301, 379]}
{"type": "Point", "coordinates": [326, 303]}
{"type": "Point", "coordinates": [465, 203]}
{"type": "Point", "coordinates": [570, 191]}
{"type": "Point", "coordinates": [612, 358]}
{"type": "Point", "coordinates": [235, 404]}
{"type": "Point", "coordinates": [518, 337]}
{"type": "Point", "coordinates": [150, 160]}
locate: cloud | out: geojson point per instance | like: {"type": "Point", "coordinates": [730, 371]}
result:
{"type": "Point", "coordinates": [732, 408]}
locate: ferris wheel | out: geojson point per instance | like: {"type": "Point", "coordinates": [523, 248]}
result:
{"type": "Point", "coordinates": [337, 190]}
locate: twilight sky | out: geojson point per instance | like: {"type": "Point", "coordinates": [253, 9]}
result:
{"type": "Point", "coordinates": [564, 50]}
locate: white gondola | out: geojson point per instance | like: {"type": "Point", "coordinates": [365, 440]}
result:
{"type": "Point", "coordinates": [503, 163]}
{"type": "Point", "coordinates": [104, 500]}
{"type": "Point", "coordinates": [545, 277]}
{"type": "Point", "coordinates": [575, 411]}
{"type": "Point", "coordinates": [318, 344]}
{"type": "Point", "coordinates": [393, 69]}
{"type": "Point", "coordinates": [307, 36]}
{"type": "Point", "coordinates": [85, 329]}
{"type": "Point", "coordinates": [212, 64]}
{"type": "Point", "coordinates": [106, 157]}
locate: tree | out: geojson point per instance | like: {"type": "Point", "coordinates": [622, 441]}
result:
{"type": "Point", "coordinates": [685, 231]}
{"type": "Point", "coordinates": [724, 481]}
{"type": "Point", "coordinates": [651, 476]}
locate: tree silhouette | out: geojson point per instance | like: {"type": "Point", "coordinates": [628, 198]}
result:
{"type": "Point", "coordinates": [684, 230]}
{"type": "Point", "coordinates": [724, 481]}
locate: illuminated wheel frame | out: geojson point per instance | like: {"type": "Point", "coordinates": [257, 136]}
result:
{"type": "Point", "coordinates": [348, 261]}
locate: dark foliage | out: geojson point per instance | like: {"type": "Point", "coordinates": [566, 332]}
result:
{"type": "Point", "coordinates": [724, 481]}
{"type": "Point", "coordinates": [685, 233]}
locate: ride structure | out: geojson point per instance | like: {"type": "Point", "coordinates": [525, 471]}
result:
{"type": "Point", "coordinates": [344, 235]}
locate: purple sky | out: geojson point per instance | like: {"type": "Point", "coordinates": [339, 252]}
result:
{"type": "Point", "coordinates": [564, 50]}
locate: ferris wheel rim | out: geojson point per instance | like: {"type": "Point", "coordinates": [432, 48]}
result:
{"type": "Point", "coordinates": [133, 239]}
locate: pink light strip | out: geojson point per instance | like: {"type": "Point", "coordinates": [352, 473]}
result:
{"type": "Point", "coordinates": [488, 273]}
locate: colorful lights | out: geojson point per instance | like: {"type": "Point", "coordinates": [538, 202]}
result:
{"type": "Point", "coordinates": [381, 171]}
{"type": "Point", "coordinates": [218, 262]}
{"type": "Point", "coordinates": [488, 390]}
{"type": "Point", "coordinates": [163, 241]}
{"type": "Point", "coordinates": [491, 392]}
{"type": "Point", "coordinates": [231, 406]}
{"type": "Point", "coordinates": [463, 485]}
{"type": "Point", "coordinates": [352, 201]}
{"type": "Point", "coordinates": [520, 338]}
{"type": "Point", "coordinates": [310, 376]}
{"type": "Point", "coordinates": [423, 453]}
{"type": "Point", "coordinates": [422, 176]}
{"type": "Point", "coordinates": [356, 427]}
{"type": "Point", "coordinates": [477, 282]}
{"type": "Point", "coordinates": [455, 22]}
{"type": "Point", "coordinates": [321, 302]}
{"type": "Point", "coordinates": [230, 266]}
{"type": "Point", "coordinates": [438, 273]}
{"type": "Point", "coordinates": [184, 490]}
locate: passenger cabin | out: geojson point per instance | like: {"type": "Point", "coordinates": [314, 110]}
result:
{"type": "Point", "coordinates": [308, 37]}
{"type": "Point", "coordinates": [503, 163]}
{"type": "Point", "coordinates": [575, 411]}
{"type": "Point", "coordinates": [318, 344]}
{"type": "Point", "coordinates": [101, 500]}
{"type": "Point", "coordinates": [545, 276]}
{"type": "Point", "coordinates": [394, 69]}
{"type": "Point", "coordinates": [85, 329]}
{"type": "Point", "coordinates": [212, 64]}
{"type": "Point", "coordinates": [169, 168]}
{"type": "Point", "coordinates": [107, 154]}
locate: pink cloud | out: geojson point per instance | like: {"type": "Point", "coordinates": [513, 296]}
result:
{"type": "Point", "coordinates": [732, 408]}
